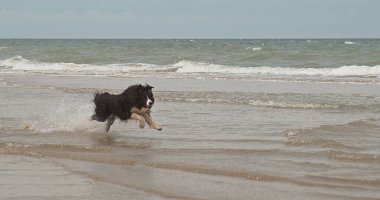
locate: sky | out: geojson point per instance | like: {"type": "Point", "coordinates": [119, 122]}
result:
{"type": "Point", "coordinates": [189, 19]}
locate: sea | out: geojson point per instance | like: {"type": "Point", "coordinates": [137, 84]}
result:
{"type": "Point", "coordinates": [242, 119]}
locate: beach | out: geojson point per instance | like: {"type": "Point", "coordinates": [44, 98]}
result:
{"type": "Point", "coordinates": [262, 122]}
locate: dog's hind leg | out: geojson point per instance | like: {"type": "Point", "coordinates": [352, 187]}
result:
{"type": "Point", "coordinates": [110, 121]}
{"type": "Point", "coordinates": [93, 117]}
{"type": "Point", "coordinates": [97, 118]}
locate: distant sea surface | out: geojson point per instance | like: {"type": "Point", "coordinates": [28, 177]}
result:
{"type": "Point", "coordinates": [322, 58]}
{"type": "Point", "coordinates": [243, 119]}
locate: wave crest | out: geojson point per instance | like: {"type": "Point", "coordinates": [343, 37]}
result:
{"type": "Point", "coordinates": [253, 99]}
{"type": "Point", "coordinates": [339, 138]}
{"type": "Point", "coordinates": [21, 65]}
{"type": "Point", "coordinates": [349, 70]}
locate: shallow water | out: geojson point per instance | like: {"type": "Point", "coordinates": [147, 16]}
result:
{"type": "Point", "coordinates": [243, 119]}
{"type": "Point", "coordinates": [222, 139]}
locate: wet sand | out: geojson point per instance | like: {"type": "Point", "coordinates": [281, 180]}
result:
{"type": "Point", "coordinates": [73, 173]}
{"type": "Point", "coordinates": [43, 178]}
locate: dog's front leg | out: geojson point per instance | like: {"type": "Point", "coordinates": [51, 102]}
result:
{"type": "Point", "coordinates": [138, 118]}
{"type": "Point", "coordinates": [145, 113]}
{"type": "Point", "coordinates": [151, 122]}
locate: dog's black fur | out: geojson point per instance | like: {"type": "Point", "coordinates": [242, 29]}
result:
{"type": "Point", "coordinates": [109, 106]}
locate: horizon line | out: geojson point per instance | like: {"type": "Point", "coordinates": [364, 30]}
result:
{"type": "Point", "coordinates": [280, 38]}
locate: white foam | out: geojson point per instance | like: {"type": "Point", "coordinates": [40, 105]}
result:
{"type": "Point", "coordinates": [20, 65]}
{"type": "Point", "coordinates": [69, 116]}
{"type": "Point", "coordinates": [351, 70]}
{"type": "Point", "coordinates": [254, 102]}
{"type": "Point", "coordinates": [349, 42]}
{"type": "Point", "coordinates": [300, 105]}
{"type": "Point", "coordinates": [199, 67]}
{"type": "Point", "coordinates": [254, 48]}
{"type": "Point", "coordinates": [3, 48]}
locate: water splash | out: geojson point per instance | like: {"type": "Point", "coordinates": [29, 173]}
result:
{"type": "Point", "coordinates": [69, 116]}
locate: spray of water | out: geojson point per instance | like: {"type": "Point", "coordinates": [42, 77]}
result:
{"type": "Point", "coordinates": [71, 115]}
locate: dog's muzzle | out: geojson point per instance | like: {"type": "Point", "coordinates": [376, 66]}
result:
{"type": "Point", "coordinates": [149, 103]}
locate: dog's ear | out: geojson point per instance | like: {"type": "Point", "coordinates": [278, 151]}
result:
{"type": "Point", "coordinates": [148, 87]}
{"type": "Point", "coordinates": [140, 88]}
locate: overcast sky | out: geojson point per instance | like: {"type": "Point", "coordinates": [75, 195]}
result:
{"type": "Point", "coordinates": [189, 19]}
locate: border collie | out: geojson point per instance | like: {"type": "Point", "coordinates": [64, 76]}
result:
{"type": "Point", "coordinates": [134, 103]}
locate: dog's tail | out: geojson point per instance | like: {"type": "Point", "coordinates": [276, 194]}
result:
{"type": "Point", "coordinates": [98, 97]}
{"type": "Point", "coordinates": [100, 107]}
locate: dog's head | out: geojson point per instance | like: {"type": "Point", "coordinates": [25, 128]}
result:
{"type": "Point", "coordinates": [146, 95]}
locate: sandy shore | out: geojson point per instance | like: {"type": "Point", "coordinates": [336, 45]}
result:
{"type": "Point", "coordinates": [50, 178]}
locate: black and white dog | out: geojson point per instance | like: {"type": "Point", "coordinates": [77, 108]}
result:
{"type": "Point", "coordinates": [134, 103]}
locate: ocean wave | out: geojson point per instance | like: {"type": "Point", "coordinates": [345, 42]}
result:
{"type": "Point", "coordinates": [353, 156]}
{"type": "Point", "coordinates": [254, 48]}
{"type": "Point", "coordinates": [349, 42]}
{"type": "Point", "coordinates": [3, 48]}
{"type": "Point", "coordinates": [300, 105]}
{"type": "Point", "coordinates": [350, 70]}
{"type": "Point", "coordinates": [19, 64]}
{"type": "Point", "coordinates": [250, 102]}
{"type": "Point", "coordinates": [339, 137]}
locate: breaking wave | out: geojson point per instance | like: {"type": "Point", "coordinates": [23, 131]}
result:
{"type": "Point", "coordinates": [254, 48]}
{"type": "Point", "coordinates": [286, 101]}
{"type": "Point", "coordinates": [349, 42]}
{"type": "Point", "coordinates": [257, 103]}
{"type": "Point", "coordinates": [350, 70]}
{"type": "Point", "coordinates": [18, 64]}
{"type": "Point", "coordinates": [21, 65]}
